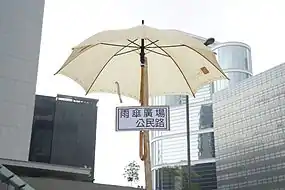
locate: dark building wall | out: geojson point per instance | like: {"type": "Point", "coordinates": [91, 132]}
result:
{"type": "Point", "coordinates": [42, 131]}
{"type": "Point", "coordinates": [74, 132]}
{"type": "Point", "coordinates": [64, 131]}
{"type": "Point", "coordinates": [207, 176]}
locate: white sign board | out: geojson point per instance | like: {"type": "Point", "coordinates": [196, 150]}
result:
{"type": "Point", "coordinates": [136, 118]}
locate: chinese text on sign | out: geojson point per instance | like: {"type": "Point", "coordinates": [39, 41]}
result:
{"type": "Point", "coordinates": [137, 118]}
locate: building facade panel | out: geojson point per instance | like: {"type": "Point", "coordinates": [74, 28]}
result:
{"type": "Point", "coordinates": [203, 177]}
{"type": "Point", "coordinates": [20, 36]}
{"type": "Point", "coordinates": [74, 133]}
{"type": "Point", "coordinates": [165, 143]}
{"type": "Point", "coordinates": [64, 131]}
{"type": "Point", "coordinates": [249, 132]}
{"type": "Point", "coordinates": [235, 60]}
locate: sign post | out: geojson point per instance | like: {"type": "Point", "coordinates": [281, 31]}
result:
{"type": "Point", "coordinates": [143, 118]}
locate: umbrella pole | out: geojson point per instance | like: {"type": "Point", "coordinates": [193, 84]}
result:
{"type": "Point", "coordinates": [188, 143]}
{"type": "Point", "coordinates": [144, 135]}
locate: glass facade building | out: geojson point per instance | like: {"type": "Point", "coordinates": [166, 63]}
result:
{"type": "Point", "coordinates": [235, 60]}
{"type": "Point", "coordinates": [64, 131]}
{"type": "Point", "coordinates": [250, 131]}
{"type": "Point", "coordinates": [201, 173]}
{"type": "Point", "coordinates": [170, 147]}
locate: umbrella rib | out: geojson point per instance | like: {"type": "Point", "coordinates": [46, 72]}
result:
{"type": "Point", "coordinates": [173, 46]}
{"type": "Point", "coordinates": [107, 64]}
{"type": "Point", "coordinates": [156, 52]}
{"type": "Point", "coordinates": [163, 46]}
{"type": "Point", "coordinates": [145, 45]}
{"type": "Point", "coordinates": [120, 45]}
{"type": "Point", "coordinates": [133, 43]}
{"type": "Point", "coordinates": [127, 52]}
{"type": "Point", "coordinates": [82, 50]}
{"type": "Point", "coordinates": [151, 43]}
{"type": "Point", "coordinates": [207, 60]}
{"type": "Point", "coordinates": [88, 47]}
{"type": "Point", "coordinates": [176, 66]}
{"type": "Point", "coordinates": [180, 45]}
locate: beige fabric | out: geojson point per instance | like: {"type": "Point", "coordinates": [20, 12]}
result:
{"type": "Point", "coordinates": [88, 61]}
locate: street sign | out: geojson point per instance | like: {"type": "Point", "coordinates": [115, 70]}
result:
{"type": "Point", "coordinates": [136, 118]}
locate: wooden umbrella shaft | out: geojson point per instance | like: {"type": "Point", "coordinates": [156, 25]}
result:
{"type": "Point", "coordinates": [144, 135]}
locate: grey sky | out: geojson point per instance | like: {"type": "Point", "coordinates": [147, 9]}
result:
{"type": "Point", "coordinates": [67, 22]}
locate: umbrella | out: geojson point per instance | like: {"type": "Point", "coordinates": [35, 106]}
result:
{"type": "Point", "coordinates": [172, 60]}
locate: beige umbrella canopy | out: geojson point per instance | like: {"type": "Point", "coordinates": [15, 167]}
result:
{"type": "Point", "coordinates": [114, 61]}
{"type": "Point", "coordinates": [177, 63]}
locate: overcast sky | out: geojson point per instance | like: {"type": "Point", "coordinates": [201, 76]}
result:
{"type": "Point", "coordinates": [68, 22]}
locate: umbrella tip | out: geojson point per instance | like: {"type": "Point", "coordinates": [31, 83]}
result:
{"type": "Point", "coordinates": [142, 22]}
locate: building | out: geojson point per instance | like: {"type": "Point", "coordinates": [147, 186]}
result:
{"type": "Point", "coordinates": [62, 142]}
{"type": "Point", "coordinates": [249, 132]}
{"type": "Point", "coordinates": [170, 147]}
{"type": "Point", "coordinates": [20, 36]}
{"type": "Point", "coordinates": [64, 131]}
{"type": "Point", "coordinates": [235, 60]}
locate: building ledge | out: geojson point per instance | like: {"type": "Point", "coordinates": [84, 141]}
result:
{"type": "Point", "coordinates": [36, 169]}
{"type": "Point", "coordinates": [184, 162]}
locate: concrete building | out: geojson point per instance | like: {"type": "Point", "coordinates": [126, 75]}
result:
{"type": "Point", "coordinates": [38, 148]}
{"type": "Point", "coordinates": [20, 36]}
{"type": "Point", "coordinates": [170, 148]}
{"type": "Point", "coordinates": [249, 123]}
